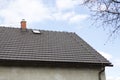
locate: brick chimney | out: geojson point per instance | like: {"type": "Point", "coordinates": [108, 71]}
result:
{"type": "Point", "coordinates": [23, 25]}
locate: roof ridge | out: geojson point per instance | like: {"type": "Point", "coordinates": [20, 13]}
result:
{"type": "Point", "coordinates": [55, 31]}
{"type": "Point", "coordinates": [8, 27]}
{"type": "Point", "coordinates": [36, 29]}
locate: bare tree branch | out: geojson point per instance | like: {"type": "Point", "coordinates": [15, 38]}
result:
{"type": "Point", "coordinates": [112, 12]}
{"type": "Point", "coordinates": [107, 12]}
{"type": "Point", "coordinates": [116, 1]}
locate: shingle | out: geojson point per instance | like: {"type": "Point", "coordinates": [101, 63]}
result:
{"type": "Point", "coordinates": [47, 46]}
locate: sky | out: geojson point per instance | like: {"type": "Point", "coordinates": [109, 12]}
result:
{"type": "Point", "coordinates": [63, 15]}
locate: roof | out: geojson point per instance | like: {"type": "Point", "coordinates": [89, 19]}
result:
{"type": "Point", "coordinates": [49, 46]}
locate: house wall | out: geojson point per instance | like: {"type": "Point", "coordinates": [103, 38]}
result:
{"type": "Point", "coordinates": [36, 73]}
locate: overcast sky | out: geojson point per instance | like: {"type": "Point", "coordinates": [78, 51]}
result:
{"type": "Point", "coordinates": [63, 15]}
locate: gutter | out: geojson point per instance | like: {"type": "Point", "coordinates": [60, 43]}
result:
{"type": "Point", "coordinates": [100, 73]}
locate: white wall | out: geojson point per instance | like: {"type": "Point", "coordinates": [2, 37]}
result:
{"type": "Point", "coordinates": [25, 73]}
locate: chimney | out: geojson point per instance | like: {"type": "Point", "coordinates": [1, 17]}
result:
{"type": "Point", "coordinates": [23, 25]}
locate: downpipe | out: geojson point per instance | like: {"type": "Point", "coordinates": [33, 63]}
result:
{"type": "Point", "coordinates": [100, 73]}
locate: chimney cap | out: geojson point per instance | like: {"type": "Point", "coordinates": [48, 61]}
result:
{"type": "Point", "coordinates": [23, 19]}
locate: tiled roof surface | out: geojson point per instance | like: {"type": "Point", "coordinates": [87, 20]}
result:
{"type": "Point", "coordinates": [47, 46]}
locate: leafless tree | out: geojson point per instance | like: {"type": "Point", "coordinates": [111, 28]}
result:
{"type": "Point", "coordinates": [107, 12]}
